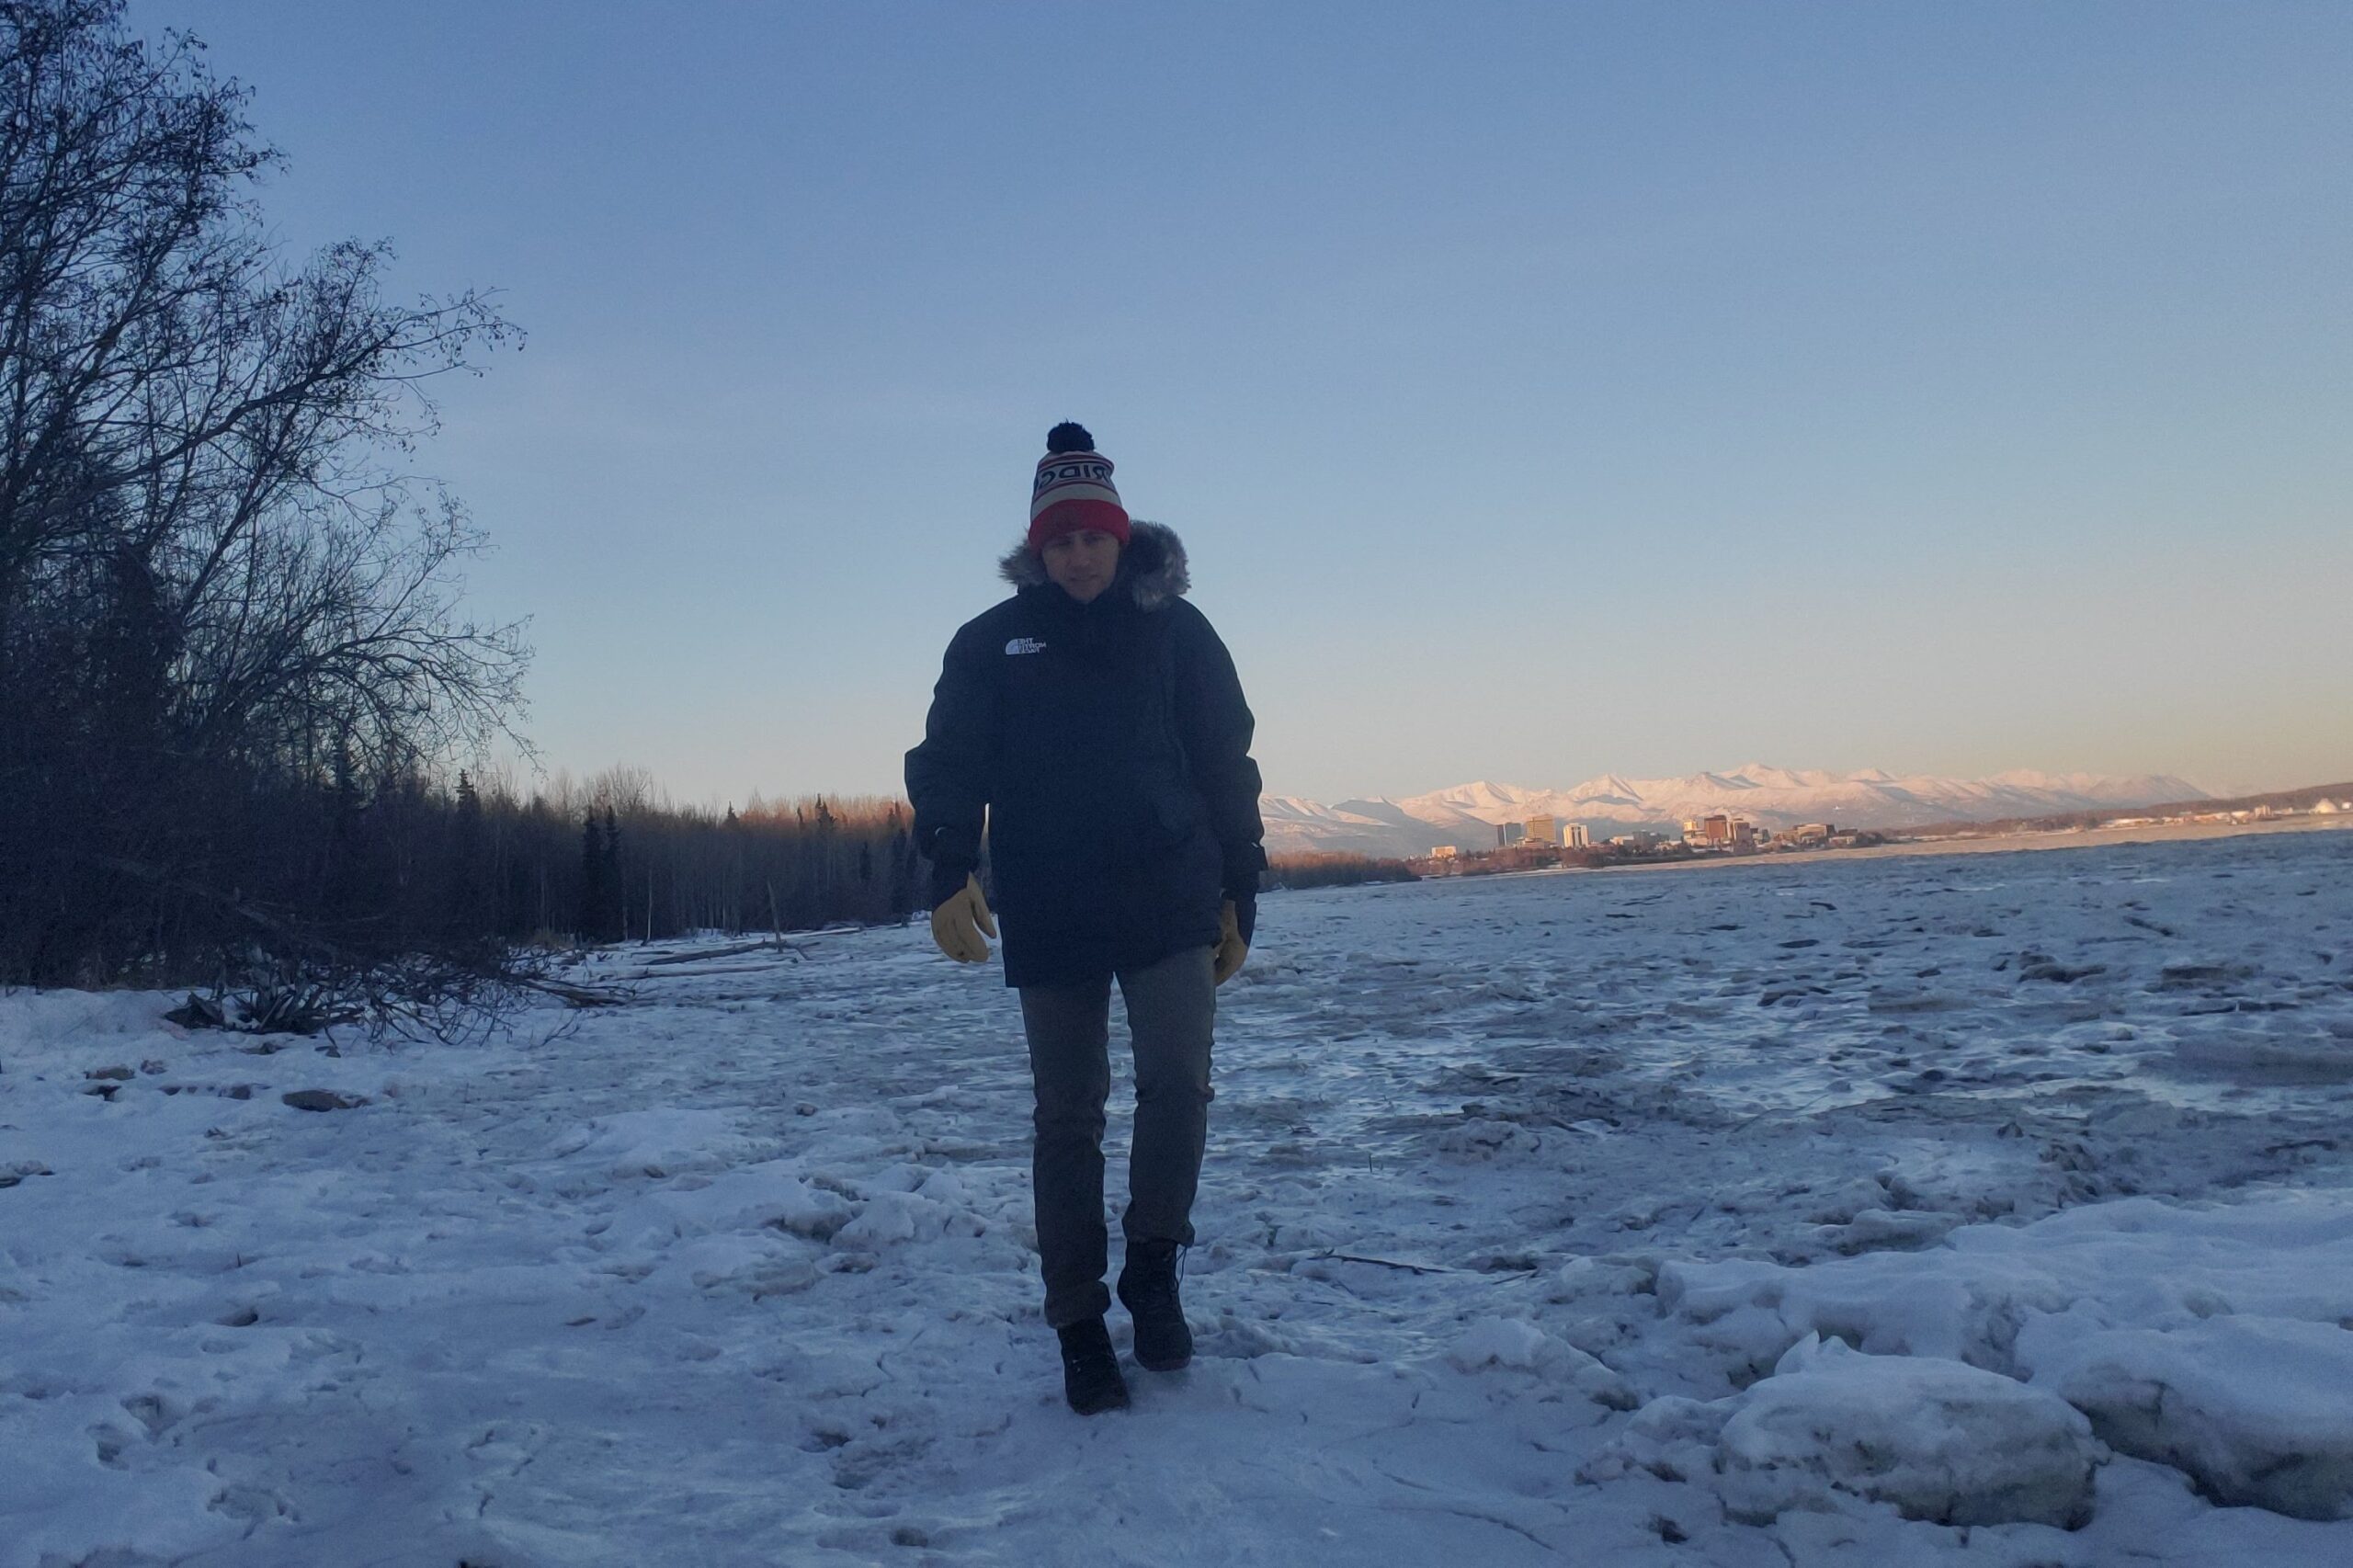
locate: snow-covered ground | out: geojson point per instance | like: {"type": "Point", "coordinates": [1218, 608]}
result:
{"type": "Point", "coordinates": [1975, 1210]}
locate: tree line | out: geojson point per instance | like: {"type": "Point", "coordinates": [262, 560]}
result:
{"type": "Point", "coordinates": [613, 861]}
{"type": "Point", "coordinates": [1325, 868]}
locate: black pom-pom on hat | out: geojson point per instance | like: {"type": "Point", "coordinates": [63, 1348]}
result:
{"type": "Point", "coordinates": [1069, 437]}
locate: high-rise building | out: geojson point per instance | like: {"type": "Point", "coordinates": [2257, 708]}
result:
{"type": "Point", "coordinates": [1576, 837]}
{"type": "Point", "coordinates": [1544, 830]}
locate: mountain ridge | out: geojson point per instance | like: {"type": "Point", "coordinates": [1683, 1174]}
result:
{"type": "Point", "coordinates": [1465, 815]}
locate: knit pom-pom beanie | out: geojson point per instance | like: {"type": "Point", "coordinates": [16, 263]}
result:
{"type": "Point", "coordinates": [1073, 489]}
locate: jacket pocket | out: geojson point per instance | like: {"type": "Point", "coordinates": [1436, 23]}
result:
{"type": "Point", "coordinates": [1170, 813]}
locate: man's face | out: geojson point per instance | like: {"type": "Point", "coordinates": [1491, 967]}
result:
{"type": "Point", "coordinates": [1083, 562]}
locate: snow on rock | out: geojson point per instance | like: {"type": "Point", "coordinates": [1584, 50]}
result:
{"type": "Point", "coordinates": [2257, 1411]}
{"type": "Point", "coordinates": [1941, 1441]}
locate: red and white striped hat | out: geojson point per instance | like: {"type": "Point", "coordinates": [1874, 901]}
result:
{"type": "Point", "coordinates": [1073, 490]}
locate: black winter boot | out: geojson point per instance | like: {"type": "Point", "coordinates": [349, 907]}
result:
{"type": "Point", "coordinates": [1148, 1287]}
{"type": "Point", "coordinates": [1091, 1379]}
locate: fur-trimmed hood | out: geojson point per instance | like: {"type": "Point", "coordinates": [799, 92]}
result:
{"type": "Point", "coordinates": [1152, 565]}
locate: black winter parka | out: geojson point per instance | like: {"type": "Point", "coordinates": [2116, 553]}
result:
{"type": "Point", "coordinates": [1108, 745]}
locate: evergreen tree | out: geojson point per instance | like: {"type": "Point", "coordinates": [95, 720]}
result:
{"type": "Point", "coordinates": [731, 887]}
{"type": "Point", "coordinates": [339, 891]}
{"type": "Point", "coordinates": [615, 922]}
{"type": "Point", "coordinates": [591, 918]}
{"type": "Point", "coordinates": [465, 916]}
{"type": "Point", "coordinates": [822, 859]}
{"type": "Point", "coordinates": [903, 872]}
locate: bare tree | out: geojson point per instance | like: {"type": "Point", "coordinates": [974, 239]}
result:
{"type": "Point", "coordinates": [217, 578]}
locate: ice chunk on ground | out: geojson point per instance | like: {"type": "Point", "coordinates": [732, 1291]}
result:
{"type": "Point", "coordinates": [1942, 1441]}
{"type": "Point", "coordinates": [2255, 1410]}
{"type": "Point", "coordinates": [1505, 1341]}
{"type": "Point", "coordinates": [2130, 1263]}
{"type": "Point", "coordinates": [811, 1211]}
{"type": "Point", "coordinates": [1516, 1343]}
{"type": "Point", "coordinates": [1672, 1438]}
{"type": "Point", "coordinates": [1884, 1229]}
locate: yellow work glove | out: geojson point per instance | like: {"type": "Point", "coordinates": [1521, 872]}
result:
{"type": "Point", "coordinates": [1231, 949]}
{"type": "Point", "coordinates": [958, 925]}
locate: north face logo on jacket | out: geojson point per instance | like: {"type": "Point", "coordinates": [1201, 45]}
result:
{"type": "Point", "coordinates": [1025, 645]}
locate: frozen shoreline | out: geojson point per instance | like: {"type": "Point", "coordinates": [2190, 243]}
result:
{"type": "Point", "coordinates": [1540, 1215]}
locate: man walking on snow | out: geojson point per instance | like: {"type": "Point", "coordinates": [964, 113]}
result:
{"type": "Point", "coordinates": [1095, 721]}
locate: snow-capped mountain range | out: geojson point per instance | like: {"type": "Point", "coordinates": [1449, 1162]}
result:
{"type": "Point", "coordinates": [1774, 798]}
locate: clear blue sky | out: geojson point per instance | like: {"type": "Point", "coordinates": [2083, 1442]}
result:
{"type": "Point", "coordinates": [1541, 389]}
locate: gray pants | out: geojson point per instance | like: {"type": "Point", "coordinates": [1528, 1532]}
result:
{"type": "Point", "coordinates": [1172, 1007]}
